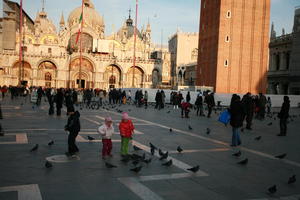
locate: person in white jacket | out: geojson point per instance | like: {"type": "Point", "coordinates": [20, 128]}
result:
{"type": "Point", "coordinates": [106, 131]}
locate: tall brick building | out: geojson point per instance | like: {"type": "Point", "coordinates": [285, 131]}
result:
{"type": "Point", "coordinates": [234, 38]}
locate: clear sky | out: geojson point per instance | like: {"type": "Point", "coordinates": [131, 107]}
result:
{"type": "Point", "coordinates": [165, 16]}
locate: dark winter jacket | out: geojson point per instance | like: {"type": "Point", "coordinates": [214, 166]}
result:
{"type": "Point", "coordinates": [285, 108]}
{"type": "Point", "coordinates": [73, 123]}
{"type": "Point", "coordinates": [237, 114]}
{"type": "Point", "coordinates": [199, 101]}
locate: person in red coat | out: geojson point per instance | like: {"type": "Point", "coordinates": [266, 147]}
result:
{"type": "Point", "coordinates": [126, 130]}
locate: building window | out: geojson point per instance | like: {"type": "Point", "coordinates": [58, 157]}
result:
{"type": "Point", "coordinates": [195, 54]}
{"type": "Point", "coordinates": [204, 4]}
{"type": "Point", "coordinates": [226, 63]}
{"type": "Point", "coordinates": [277, 62]}
{"type": "Point", "coordinates": [228, 15]}
{"type": "Point", "coordinates": [49, 50]}
{"type": "Point", "coordinates": [287, 60]}
{"type": "Point", "coordinates": [227, 38]}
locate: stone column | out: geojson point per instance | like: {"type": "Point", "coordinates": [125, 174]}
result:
{"type": "Point", "coordinates": [282, 61]}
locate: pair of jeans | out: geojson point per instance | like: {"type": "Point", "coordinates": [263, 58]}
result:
{"type": "Point", "coordinates": [283, 126]}
{"type": "Point", "coordinates": [107, 146]}
{"type": "Point", "coordinates": [124, 145]}
{"type": "Point", "coordinates": [71, 143]}
{"type": "Point", "coordinates": [236, 140]}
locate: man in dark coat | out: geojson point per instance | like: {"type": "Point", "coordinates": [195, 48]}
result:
{"type": "Point", "coordinates": [248, 104]}
{"type": "Point", "coordinates": [262, 101]}
{"type": "Point", "coordinates": [210, 101]}
{"type": "Point", "coordinates": [73, 126]}
{"type": "Point", "coordinates": [237, 117]}
{"type": "Point", "coordinates": [59, 99]}
{"type": "Point", "coordinates": [283, 115]}
{"type": "Point", "coordinates": [199, 105]}
{"type": "Point", "coordinates": [50, 98]}
{"type": "Point", "coordinates": [158, 100]}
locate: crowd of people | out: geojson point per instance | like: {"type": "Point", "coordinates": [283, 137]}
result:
{"type": "Point", "coordinates": [241, 109]}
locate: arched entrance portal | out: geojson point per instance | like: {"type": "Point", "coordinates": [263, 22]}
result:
{"type": "Point", "coordinates": [22, 72]}
{"type": "Point", "coordinates": [112, 76]}
{"type": "Point", "coordinates": [47, 74]}
{"type": "Point", "coordinates": [86, 76]}
{"type": "Point", "coordinates": [135, 77]}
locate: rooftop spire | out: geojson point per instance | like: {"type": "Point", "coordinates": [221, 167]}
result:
{"type": "Point", "coordinates": [62, 20]}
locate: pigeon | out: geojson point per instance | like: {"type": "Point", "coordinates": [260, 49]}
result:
{"type": "Point", "coordinates": [281, 156]}
{"type": "Point", "coordinates": [170, 130]}
{"type": "Point", "coordinates": [164, 156]}
{"type": "Point", "coordinates": [147, 161]}
{"type": "Point", "coordinates": [179, 149]}
{"type": "Point", "coordinates": [152, 151]}
{"type": "Point", "coordinates": [190, 128]}
{"type": "Point", "coordinates": [108, 165]}
{"type": "Point", "coordinates": [136, 148]}
{"type": "Point", "coordinates": [292, 179]}
{"type": "Point", "coordinates": [243, 162]}
{"type": "Point", "coordinates": [35, 148]}
{"type": "Point", "coordinates": [90, 138]}
{"type": "Point", "coordinates": [48, 164]}
{"type": "Point", "coordinates": [51, 143]}
{"type": "Point", "coordinates": [136, 157]}
{"type": "Point", "coordinates": [208, 131]}
{"type": "Point", "coordinates": [160, 152]}
{"type": "Point", "coordinates": [272, 189]}
{"type": "Point", "coordinates": [257, 138]}
{"type": "Point", "coordinates": [152, 146]}
{"type": "Point", "coordinates": [168, 164]}
{"type": "Point", "coordinates": [194, 169]}
{"type": "Point", "coordinates": [168, 112]}
{"type": "Point", "coordinates": [135, 162]}
{"type": "Point", "coordinates": [238, 154]}
{"type": "Point", "coordinates": [269, 124]}
{"type": "Point", "coordinates": [136, 169]}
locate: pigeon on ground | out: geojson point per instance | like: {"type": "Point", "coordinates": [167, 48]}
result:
{"type": "Point", "coordinates": [135, 162]}
{"type": "Point", "coordinates": [281, 156]}
{"type": "Point", "coordinates": [90, 138]}
{"type": "Point", "coordinates": [152, 146]}
{"type": "Point", "coordinates": [35, 148]}
{"type": "Point", "coordinates": [160, 152]}
{"type": "Point", "coordinates": [168, 111]}
{"type": "Point", "coordinates": [48, 164]}
{"type": "Point", "coordinates": [179, 149]}
{"type": "Point", "coordinates": [147, 161]}
{"type": "Point", "coordinates": [168, 164]}
{"type": "Point", "coordinates": [136, 169]}
{"type": "Point", "coordinates": [257, 138]}
{"type": "Point", "coordinates": [243, 162]}
{"type": "Point", "coordinates": [164, 156]}
{"type": "Point", "coordinates": [208, 131]}
{"type": "Point", "coordinates": [170, 129]}
{"type": "Point", "coordinates": [269, 124]}
{"type": "Point", "coordinates": [237, 154]}
{"type": "Point", "coordinates": [190, 128]}
{"type": "Point", "coordinates": [136, 148]}
{"type": "Point", "coordinates": [194, 169]}
{"type": "Point", "coordinates": [51, 143]}
{"type": "Point", "coordinates": [272, 189]}
{"type": "Point", "coordinates": [108, 165]}
{"type": "Point", "coordinates": [152, 150]}
{"type": "Point", "coordinates": [292, 179]}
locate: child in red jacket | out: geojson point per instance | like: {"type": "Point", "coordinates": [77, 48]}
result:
{"type": "Point", "coordinates": [185, 109]}
{"type": "Point", "coordinates": [126, 130]}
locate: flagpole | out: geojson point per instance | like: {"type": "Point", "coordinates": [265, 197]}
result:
{"type": "Point", "coordinates": [20, 41]}
{"type": "Point", "coordinates": [134, 48]}
{"type": "Point", "coordinates": [80, 50]}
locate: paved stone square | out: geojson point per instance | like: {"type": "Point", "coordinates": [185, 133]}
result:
{"type": "Point", "coordinates": [23, 175]}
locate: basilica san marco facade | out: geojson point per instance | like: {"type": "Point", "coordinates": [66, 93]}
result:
{"type": "Point", "coordinates": [51, 57]}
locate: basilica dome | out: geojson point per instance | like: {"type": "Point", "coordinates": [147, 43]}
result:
{"type": "Point", "coordinates": [44, 24]}
{"type": "Point", "coordinates": [90, 16]}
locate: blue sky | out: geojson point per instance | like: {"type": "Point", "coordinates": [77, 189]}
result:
{"type": "Point", "coordinates": [165, 16]}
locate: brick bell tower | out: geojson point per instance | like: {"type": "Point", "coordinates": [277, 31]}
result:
{"type": "Point", "coordinates": [233, 45]}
